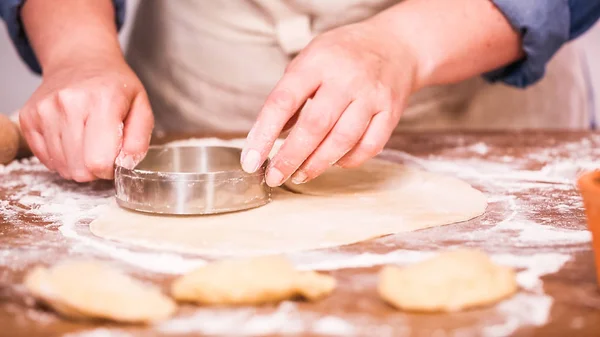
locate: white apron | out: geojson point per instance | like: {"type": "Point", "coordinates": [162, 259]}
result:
{"type": "Point", "coordinates": [209, 65]}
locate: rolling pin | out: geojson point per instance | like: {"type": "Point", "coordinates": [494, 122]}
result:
{"type": "Point", "coordinates": [12, 143]}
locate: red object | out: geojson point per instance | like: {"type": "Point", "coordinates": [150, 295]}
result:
{"type": "Point", "coordinates": [589, 186]}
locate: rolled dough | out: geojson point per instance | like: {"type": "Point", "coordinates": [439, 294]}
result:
{"type": "Point", "coordinates": [250, 281]}
{"type": "Point", "coordinates": [374, 176]}
{"type": "Point", "coordinates": [451, 281]}
{"type": "Point", "coordinates": [93, 290]}
{"type": "Point", "coordinates": [342, 207]}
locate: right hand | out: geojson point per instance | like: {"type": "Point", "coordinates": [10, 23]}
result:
{"type": "Point", "coordinates": [83, 118]}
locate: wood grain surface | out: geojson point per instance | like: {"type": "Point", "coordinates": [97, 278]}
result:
{"type": "Point", "coordinates": [529, 178]}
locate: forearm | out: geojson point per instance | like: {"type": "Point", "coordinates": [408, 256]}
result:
{"type": "Point", "coordinates": [452, 39]}
{"type": "Point", "coordinates": [70, 30]}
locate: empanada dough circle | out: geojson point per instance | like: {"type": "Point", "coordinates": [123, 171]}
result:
{"type": "Point", "coordinates": [250, 281]}
{"type": "Point", "coordinates": [403, 199]}
{"type": "Point", "coordinates": [374, 176]}
{"type": "Point", "coordinates": [81, 289]}
{"type": "Point", "coordinates": [450, 281]}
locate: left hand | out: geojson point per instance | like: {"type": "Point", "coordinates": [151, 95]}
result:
{"type": "Point", "coordinates": [359, 78]}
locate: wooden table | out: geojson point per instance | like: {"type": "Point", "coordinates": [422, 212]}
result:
{"type": "Point", "coordinates": [534, 222]}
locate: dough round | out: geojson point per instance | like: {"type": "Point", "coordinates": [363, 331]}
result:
{"type": "Point", "coordinates": [403, 199]}
{"type": "Point", "coordinates": [448, 282]}
{"type": "Point", "coordinates": [92, 290]}
{"type": "Point", "coordinates": [374, 176]}
{"type": "Point", "coordinates": [252, 281]}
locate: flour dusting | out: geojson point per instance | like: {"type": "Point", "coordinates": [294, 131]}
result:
{"type": "Point", "coordinates": [513, 231]}
{"type": "Point", "coordinates": [250, 322]}
{"type": "Point", "coordinates": [100, 333]}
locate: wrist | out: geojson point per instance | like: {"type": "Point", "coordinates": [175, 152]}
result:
{"type": "Point", "coordinates": [414, 29]}
{"type": "Point", "coordinates": [451, 41]}
{"type": "Point", "coordinates": [81, 55]}
{"type": "Point", "coordinates": [71, 33]}
{"type": "Point", "coordinates": [405, 47]}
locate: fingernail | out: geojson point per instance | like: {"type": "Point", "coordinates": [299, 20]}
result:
{"type": "Point", "coordinates": [251, 161]}
{"type": "Point", "coordinates": [128, 161]}
{"type": "Point", "coordinates": [243, 156]}
{"type": "Point", "coordinates": [299, 178]}
{"type": "Point", "coordinates": [274, 177]}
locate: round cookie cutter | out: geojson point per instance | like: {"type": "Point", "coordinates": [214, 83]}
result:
{"type": "Point", "coordinates": [191, 180]}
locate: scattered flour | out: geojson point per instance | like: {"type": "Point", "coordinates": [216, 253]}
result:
{"type": "Point", "coordinates": [100, 333]}
{"type": "Point", "coordinates": [517, 195]}
{"type": "Point", "coordinates": [334, 261]}
{"type": "Point", "coordinates": [535, 266]}
{"type": "Point", "coordinates": [479, 148]}
{"type": "Point", "coordinates": [532, 232]}
{"type": "Point", "coordinates": [249, 322]}
{"type": "Point", "coordinates": [521, 310]}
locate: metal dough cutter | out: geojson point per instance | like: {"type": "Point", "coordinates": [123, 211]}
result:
{"type": "Point", "coordinates": [191, 180]}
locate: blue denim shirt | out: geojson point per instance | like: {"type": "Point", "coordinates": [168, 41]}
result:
{"type": "Point", "coordinates": [10, 12]}
{"type": "Point", "coordinates": [545, 25]}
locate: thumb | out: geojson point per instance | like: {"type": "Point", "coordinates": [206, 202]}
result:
{"type": "Point", "coordinates": [136, 132]}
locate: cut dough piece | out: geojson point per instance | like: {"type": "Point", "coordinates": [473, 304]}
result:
{"type": "Point", "coordinates": [374, 176]}
{"type": "Point", "coordinates": [448, 282]}
{"type": "Point", "coordinates": [250, 281]}
{"type": "Point", "coordinates": [93, 290]}
{"type": "Point", "coordinates": [297, 222]}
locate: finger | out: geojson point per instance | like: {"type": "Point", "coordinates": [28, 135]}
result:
{"type": "Point", "coordinates": [344, 136]}
{"type": "Point", "coordinates": [313, 125]}
{"type": "Point", "coordinates": [281, 104]}
{"type": "Point", "coordinates": [33, 137]}
{"type": "Point", "coordinates": [373, 141]}
{"type": "Point", "coordinates": [50, 115]}
{"type": "Point", "coordinates": [72, 134]}
{"type": "Point", "coordinates": [136, 133]}
{"type": "Point", "coordinates": [103, 134]}
{"type": "Point", "coordinates": [72, 145]}
{"type": "Point", "coordinates": [36, 143]}
{"type": "Point", "coordinates": [292, 121]}
{"type": "Point", "coordinates": [52, 138]}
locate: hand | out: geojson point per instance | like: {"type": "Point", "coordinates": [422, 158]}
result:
{"type": "Point", "coordinates": [358, 79]}
{"type": "Point", "coordinates": [82, 117]}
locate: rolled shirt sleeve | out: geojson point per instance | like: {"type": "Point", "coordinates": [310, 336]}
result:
{"type": "Point", "coordinates": [545, 26]}
{"type": "Point", "coordinates": [10, 12]}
